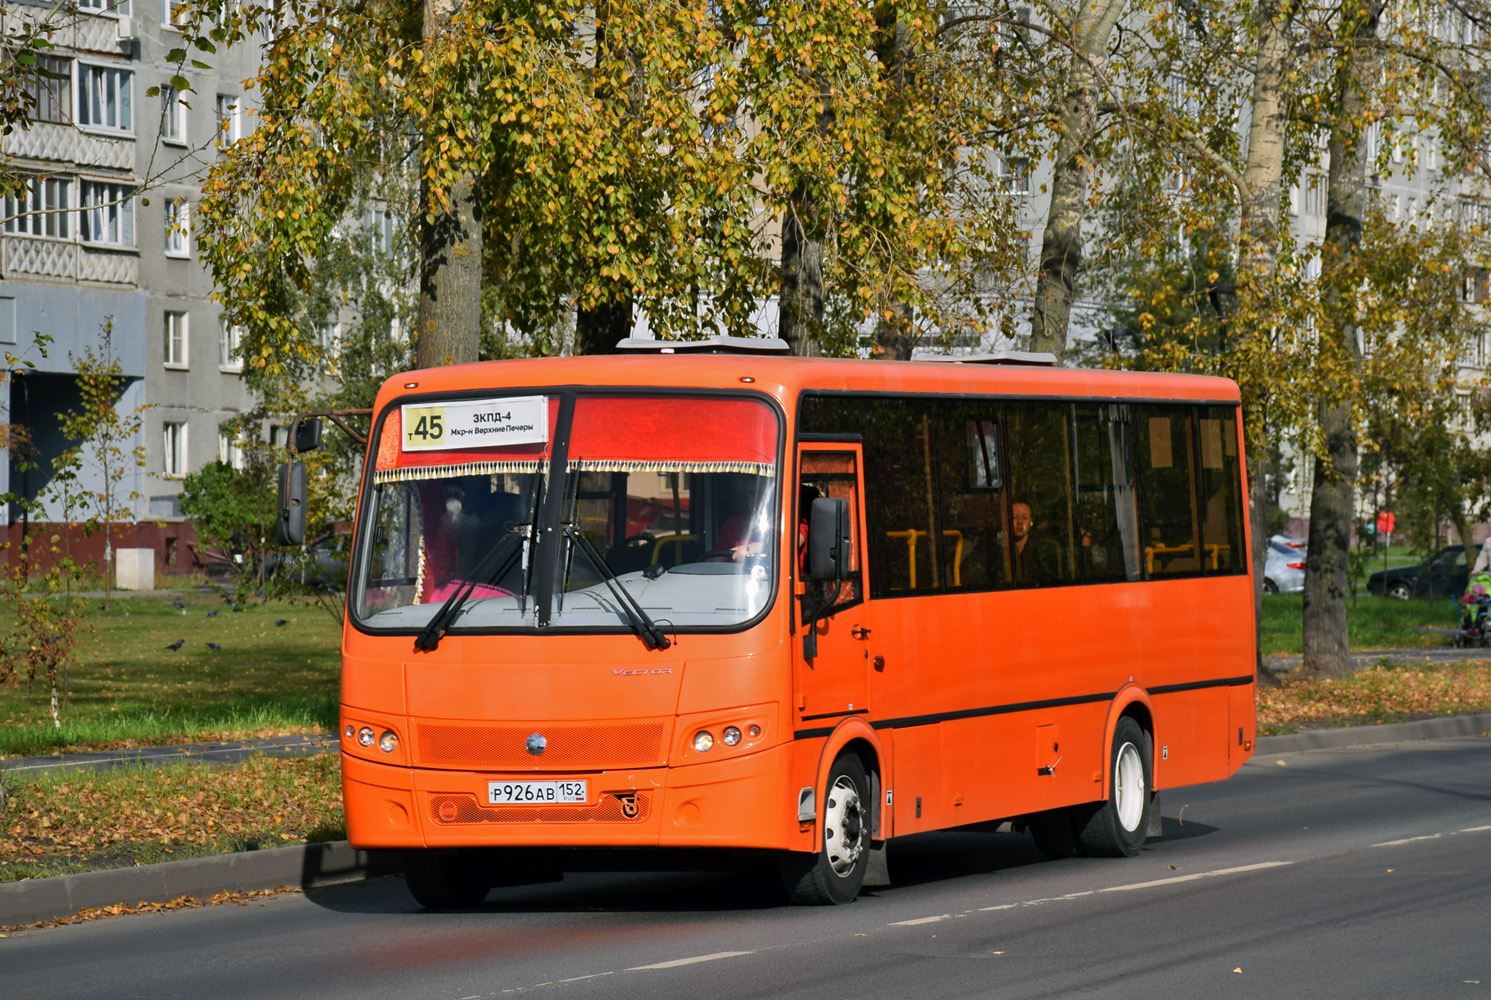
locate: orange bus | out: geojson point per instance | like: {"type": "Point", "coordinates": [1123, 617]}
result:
{"type": "Point", "coordinates": [706, 596]}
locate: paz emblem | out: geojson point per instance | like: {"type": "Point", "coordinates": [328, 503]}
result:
{"type": "Point", "coordinates": [536, 744]}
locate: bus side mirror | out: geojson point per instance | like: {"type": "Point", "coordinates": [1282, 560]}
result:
{"type": "Point", "coordinates": [828, 539]}
{"type": "Point", "coordinates": [292, 504]}
{"type": "Point", "coordinates": [308, 435]}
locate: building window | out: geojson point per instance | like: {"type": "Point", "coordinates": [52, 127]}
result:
{"type": "Point", "coordinates": [229, 129]}
{"type": "Point", "coordinates": [230, 449]}
{"type": "Point", "coordinates": [43, 207]}
{"type": "Point", "coordinates": [229, 342]}
{"type": "Point", "coordinates": [173, 115]}
{"type": "Point", "coordinates": [120, 7]}
{"type": "Point", "coordinates": [108, 214]}
{"type": "Point", "coordinates": [174, 12]}
{"type": "Point", "coordinates": [178, 227]}
{"type": "Point", "coordinates": [1014, 178]}
{"type": "Point", "coordinates": [380, 222]}
{"type": "Point", "coordinates": [50, 89]}
{"type": "Point", "coordinates": [104, 97]}
{"type": "Point", "coordinates": [175, 339]}
{"type": "Point", "coordinates": [175, 449]}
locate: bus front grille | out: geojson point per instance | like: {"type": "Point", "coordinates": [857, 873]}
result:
{"type": "Point", "coordinates": [458, 810]}
{"type": "Point", "coordinates": [503, 748]}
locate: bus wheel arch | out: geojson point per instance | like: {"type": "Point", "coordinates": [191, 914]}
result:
{"type": "Point", "coordinates": [1119, 824]}
{"type": "Point", "coordinates": [848, 816]}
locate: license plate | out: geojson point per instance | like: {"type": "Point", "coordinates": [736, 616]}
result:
{"type": "Point", "coordinates": [504, 793]}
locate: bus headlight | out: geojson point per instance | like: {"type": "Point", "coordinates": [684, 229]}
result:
{"type": "Point", "coordinates": [388, 742]}
{"type": "Point", "coordinates": [730, 736]}
{"type": "Point", "coordinates": [366, 736]}
{"type": "Point", "coordinates": [703, 740]}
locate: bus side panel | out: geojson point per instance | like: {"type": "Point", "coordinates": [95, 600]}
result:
{"type": "Point", "coordinates": [918, 777]}
{"type": "Point", "coordinates": [1244, 729]}
{"type": "Point", "coordinates": [1190, 737]}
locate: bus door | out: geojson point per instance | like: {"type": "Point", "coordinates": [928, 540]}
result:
{"type": "Point", "coordinates": [832, 680]}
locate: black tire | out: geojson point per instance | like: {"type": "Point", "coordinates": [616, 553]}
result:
{"type": "Point", "coordinates": [1117, 828]}
{"type": "Point", "coordinates": [834, 873]}
{"type": "Point", "coordinates": [447, 879]}
{"type": "Point", "coordinates": [1399, 591]}
{"type": "Point", "coordinates": [1269, 587]}
{"type": "Point", "coordinates": [1056, 833]}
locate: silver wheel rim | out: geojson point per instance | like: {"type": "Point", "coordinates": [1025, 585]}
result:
{"type": "Point", "coordinates": [1128, 787]}
{"type": "Point", "coordinates": [843, 827]}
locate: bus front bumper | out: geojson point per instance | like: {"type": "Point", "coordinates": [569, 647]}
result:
{"type": "Point", "coordinates": [744, 802]}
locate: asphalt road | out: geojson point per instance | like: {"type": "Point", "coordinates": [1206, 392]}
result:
{"type": "Point", "coordinates": [1353, 872]}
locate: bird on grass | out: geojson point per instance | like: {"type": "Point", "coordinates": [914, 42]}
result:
{"type": "Point", "coordinates": [178, 604]}
{"type": "Point", "coordinates": [212, 613]}
{"type": "Point", "coordinates": [177, 644]}
{"type": "Point", "coordinates": [213, 646]}
{"type": "Point", "coordinates": [282, 621]}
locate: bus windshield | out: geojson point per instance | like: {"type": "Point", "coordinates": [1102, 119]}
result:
{"type": "Point", "coordinates": [665, 503]}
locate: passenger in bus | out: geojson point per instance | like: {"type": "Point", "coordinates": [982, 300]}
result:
{"type": "Point", "coordinates": [1034, 561]}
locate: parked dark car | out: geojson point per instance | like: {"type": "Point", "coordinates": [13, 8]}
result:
{"type": "Point", "coordinates": [321, 565]}
{"type": "Point", "coordinates": [1445, 574]}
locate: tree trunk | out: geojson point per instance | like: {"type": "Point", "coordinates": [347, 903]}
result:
{"type": "Point", "coordinates": [1061, 243]}
{"type": "Point", "coordinates": [1258, 250]}
{"type": "Point", "coordinates": [1326, 648]}
{"type": "Point", "coordinates": [450, 250]}
{"type": "Point", "coordinates": [800, 303]}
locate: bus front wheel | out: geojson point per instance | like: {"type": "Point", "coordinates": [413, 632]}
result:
{"type": "Point", "coordinates": [1117, 828]}
{"type": "Point", "coordinates": [835, 872]}
{"type": "Point", "coordinates": [447, 879]}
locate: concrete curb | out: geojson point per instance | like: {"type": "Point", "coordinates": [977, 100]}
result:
{"type": "Point", "coordinates": [304, 865]}
{"type": "Point", "coordinates": [1475, 724]}
{"type": "Point", "coordinates": [311, 865]}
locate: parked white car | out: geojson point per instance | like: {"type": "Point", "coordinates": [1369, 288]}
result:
{"type": "Point", "coordinates": [1284, 569]}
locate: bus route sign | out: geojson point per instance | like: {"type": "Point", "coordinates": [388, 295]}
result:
{"type": "Point", "coordinates": [488, 423]}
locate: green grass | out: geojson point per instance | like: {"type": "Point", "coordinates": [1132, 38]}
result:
{"type": "Point", "coordinates": [62, 822]}
{"type": "Point", "coordinates": [126, 688]}
{"type": "Point", "coordinates": [1371, 623]}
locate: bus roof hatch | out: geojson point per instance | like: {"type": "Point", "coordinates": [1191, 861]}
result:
{"type": "Point", "coordinates": [991, 358]}
{"type": "Point", "coordinates": [709, 345]}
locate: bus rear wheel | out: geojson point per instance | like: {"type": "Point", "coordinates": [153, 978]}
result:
{"type": "Point", "coordinates": [448, 879]}
{"type": "Point", "coordinates": [1118, 827]}
{"type": "Point", "coordinates": [836, 871]}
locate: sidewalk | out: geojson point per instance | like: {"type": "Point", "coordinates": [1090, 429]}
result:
{"type": "Point", "coordinates": [310, 865]}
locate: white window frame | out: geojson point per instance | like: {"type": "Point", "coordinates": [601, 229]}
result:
{"type": "Point", "coordinates": [118, 8]}
{"type": "Point", "coordinates": [43, 209]}
{"type": "Point", "coordinates": [93, 78]}
{"type": "Point", "coordinates": [1014, 175]}
{"type": "Point", "coordinates": [174, 448]}
{"type": "Point", "coordinates": [229, 341]}
{"type": "Point", "coordinates": [229, 109]}
{"type": "Point", "coordinates": [172, 14]}
{"type": "Point", "coordinates": [173, 116]}
{"type": "Point", "coordinates": [176, 344]}
{"type": "Point", "coordinates": [230, 450]}
{"type": "Point", "coordinates": [106, 213]}
{"type": "Point", "coordinates": [178, 229]}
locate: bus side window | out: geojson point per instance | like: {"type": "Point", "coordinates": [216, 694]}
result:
{"type": "Point", "coordinates": [1167, 496]}
{"type": "Point", "coordinates": [1039, 539]}
{"type": "Point", "coordinates": [1221, 492]}
{"type": "Point", "coordinates": [1107, 530]}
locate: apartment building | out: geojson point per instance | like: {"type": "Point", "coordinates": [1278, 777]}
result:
{"type": "Point", "coordinates": [101, 236]}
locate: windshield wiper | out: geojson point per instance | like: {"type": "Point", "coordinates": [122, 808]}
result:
{"type": "Point", "coordinates": [652, 637]}
{"type": "Point", "coordinates": [507, 550]}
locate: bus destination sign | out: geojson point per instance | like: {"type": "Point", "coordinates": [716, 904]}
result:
{"type": "Point", "coordinates": [488, 423]}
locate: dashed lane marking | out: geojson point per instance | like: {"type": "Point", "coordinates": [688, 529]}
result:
{"type": "Point", "coordinates": [1191, 878]}
{"type": "Point", "coordinates": [690, 961]}
{"type": "Point", "coordinates": [1407, 840]}
{"type": "Point", "coordinates": [919, 920]}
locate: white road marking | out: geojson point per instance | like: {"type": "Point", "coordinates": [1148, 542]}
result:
{"type": "Point", "coordinates": [919, 920]}
{"type": "Point", "coordinates": [1475, 829]}
{"type": "Point", "coordinates": [690, 961]}
{"type": "Point", "coordinates": [595, 975]}
{"type": "Point", "coordinates": [1191, 878]}
{"type": "Point", "coordinates": [1036, 902]}
{"type": "Point", "coordinates": [1407, 840]}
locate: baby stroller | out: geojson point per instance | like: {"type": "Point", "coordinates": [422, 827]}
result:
{"type": "Point", "coordinates": [1472, 610]}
